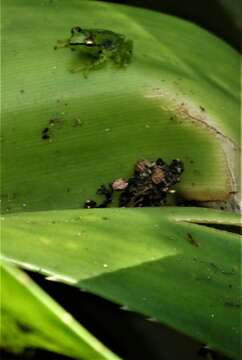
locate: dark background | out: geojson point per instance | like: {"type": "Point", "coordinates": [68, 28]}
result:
{"type": "Point", "coordinates": [222, 17]}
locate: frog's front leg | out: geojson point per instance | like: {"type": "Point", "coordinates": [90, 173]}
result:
{"type": "Point", "coordinates": [99, 60]}
{"type": "Point", "coordinates": [81, 68]}
{"type": "Point", "coordinates": [94, 64]}
{"type": "Point", "coordinates": [62, 44]}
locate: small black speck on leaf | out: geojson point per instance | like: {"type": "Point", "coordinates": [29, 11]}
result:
{"type": "Point", "coordinates": [24, 328]}
{"type": "Point", "coordinates": [191, 240]}
{"type": "Point", "coordinates": [45, 134]}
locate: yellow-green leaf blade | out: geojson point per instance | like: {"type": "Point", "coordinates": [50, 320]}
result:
{"type": "Point", "coordinates": [30, 318]}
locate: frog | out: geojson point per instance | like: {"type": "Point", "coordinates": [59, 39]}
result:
{"type": "Point", "coordinates": [102, 45]}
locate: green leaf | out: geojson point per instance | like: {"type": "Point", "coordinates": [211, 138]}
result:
{"type": "Point", "coordinates": [158, 262]}
{"type": "Point", "coordinates": [175, 100]}
{"type": "Point", "coordinates": [30, 318]}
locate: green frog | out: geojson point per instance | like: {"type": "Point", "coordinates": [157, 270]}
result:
{"type": "Point", "coordinates": [103, 45]}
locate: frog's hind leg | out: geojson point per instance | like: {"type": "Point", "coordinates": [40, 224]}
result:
{"type": "Point", "coordinates": [94, 65]}
{"type": "Point", "coordinates": [122, 56]}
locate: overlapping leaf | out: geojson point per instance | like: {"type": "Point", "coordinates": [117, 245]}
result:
{"type": "Point", "coordinates": [30, 318]}
{"type": "Point", "coordinates": [161, 264]}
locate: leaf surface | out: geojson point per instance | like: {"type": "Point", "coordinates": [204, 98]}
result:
{"type": "Point", "coordinates": [175, 100]}
{"type": "Point", "coordinates": [163, 265]}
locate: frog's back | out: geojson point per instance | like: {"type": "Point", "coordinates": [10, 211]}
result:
{"type": "Point", "coordinates": [106, 34]}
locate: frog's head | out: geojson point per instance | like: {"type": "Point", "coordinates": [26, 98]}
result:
{"type": "Point", "coordinates": [81, 37]}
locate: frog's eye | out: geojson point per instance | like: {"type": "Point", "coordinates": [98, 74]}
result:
{"type": "Point", "coordinates": [76, 30]}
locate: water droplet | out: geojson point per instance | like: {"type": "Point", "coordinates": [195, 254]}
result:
{"type": "Point", "coordinates": [54, 67]}
{"type": "Point", "coordinates": [2, 218]}
{"type": "Point", "coordinates": [212, 316]}
{"type": "Point", "coordinates": [144, 298]}
{"type": "Point", "coordinates": [105, 265]}
{"type": "Point", "coordinates": [78, 234]}
{"type": "Point", "coordinates": [52, 278]}
{"type": "Point", "coordinates": [172, 191]}
{"type": "Point", "coordinates": [152, 319]}
{"type": "Point", "coordinates": [24, 205]}
{"type": "Point", "coordinates": [67, 318]}
{"type": "Point", "coordinates": [147, 126]}
{"type": "Point", "coordinates": [107, 129]}
{"type": "Point", "coordinates": [77, 122]}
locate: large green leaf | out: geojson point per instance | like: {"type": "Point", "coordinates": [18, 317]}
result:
{"type": "Point", "coordinates": [179, 98]}
{"type": "Point", "coordinates": [161, 264]}
{"type": "Point", "coordinates": [30, 318]}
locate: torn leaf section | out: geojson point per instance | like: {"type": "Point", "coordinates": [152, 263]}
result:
{"type": "Point", "coordinates": [189, 114]}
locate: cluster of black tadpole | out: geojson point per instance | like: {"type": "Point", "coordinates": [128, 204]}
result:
{"type": "Point", "coordinates": [149, 185]}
